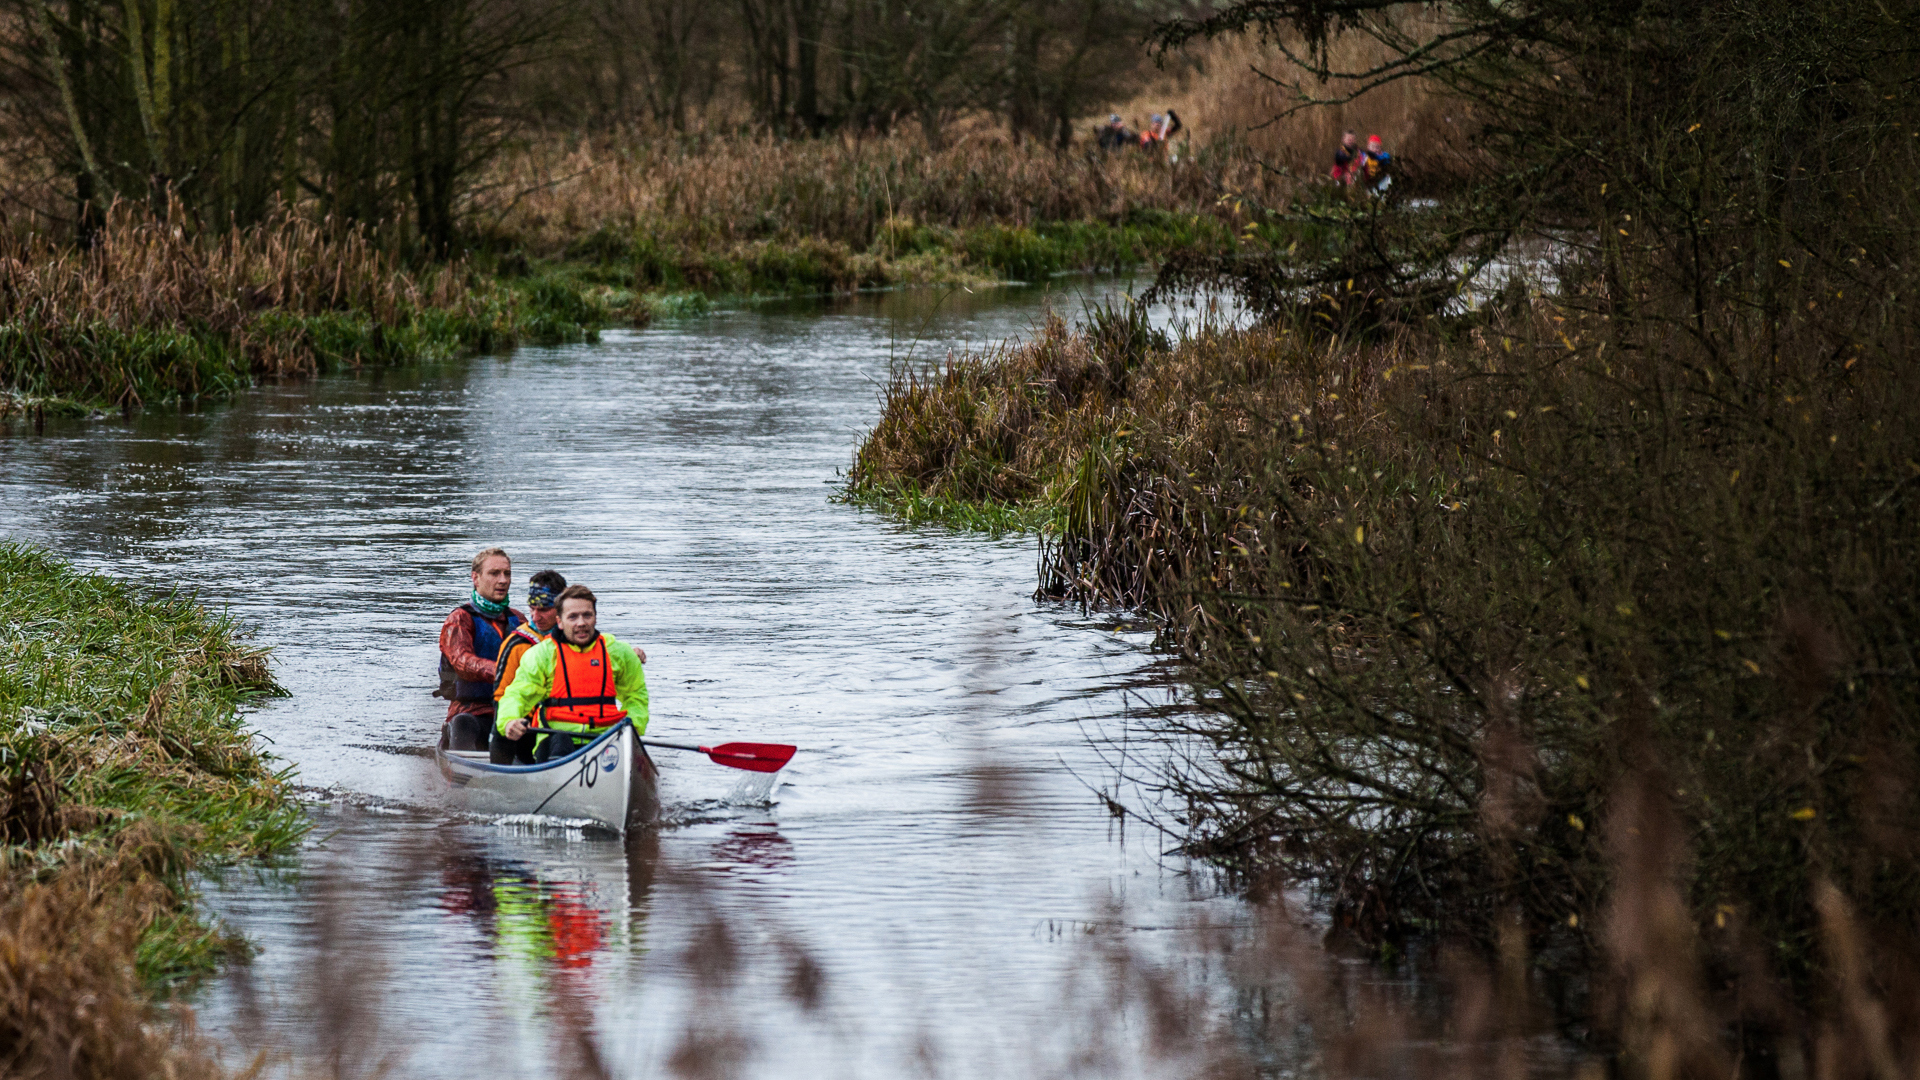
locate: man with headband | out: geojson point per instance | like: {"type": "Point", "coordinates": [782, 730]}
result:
{"type": "Point", "coordinates": [542, 588]}
{"type": "Point", "coordinates": [470, 642]}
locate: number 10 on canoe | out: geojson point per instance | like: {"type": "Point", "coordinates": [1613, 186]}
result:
{"type": "Point", "coordinates": [751, 756]}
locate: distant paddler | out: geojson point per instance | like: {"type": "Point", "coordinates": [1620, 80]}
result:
{"type": "Point", "coordinates": [1375, 167]}
{"type": "Point", "coordinates": [470, 642]}
{"type": "Point", "coordinates": [576, 680]}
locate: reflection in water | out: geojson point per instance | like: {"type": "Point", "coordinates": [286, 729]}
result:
{"type": "Point", "coordinates": [467, 883]}
{"type": "Point", "coordinates": [552, 921]}
{"type": "Point", "coordinates": [557, 923]}
{"type": "Point", "coordinates": [759, 848]}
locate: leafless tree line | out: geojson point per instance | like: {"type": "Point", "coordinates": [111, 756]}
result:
{"type": "Point", "coordinates": [373, 111]}
{"type": "Point", "coordinates": [811, 66]}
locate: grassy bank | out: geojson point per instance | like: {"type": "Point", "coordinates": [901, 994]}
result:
{"type": "Point", "coordinates": [565, 237]}
{"type": "Point", "coordinates": [123, 765]}
{"type": "Point", "coordinates": [904, 253]}
{"type": "Point", "coordinates": [156, 312]}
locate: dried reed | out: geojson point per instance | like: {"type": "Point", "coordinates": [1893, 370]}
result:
{"type": "Point", "coordinates": [71, 1004]}
{"type": "Point", "coordinates": [156, 311]}
{"type": "Point", "coordinates": [718, 192]}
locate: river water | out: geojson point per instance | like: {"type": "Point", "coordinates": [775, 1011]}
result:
{"type": "Point", "coordinates": [919, 892]}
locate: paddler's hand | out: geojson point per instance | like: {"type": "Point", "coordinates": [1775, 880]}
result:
{"type": "Point", "coordinates": [641, 653]}
{"type": "Point", "coordinates": [516, 729]}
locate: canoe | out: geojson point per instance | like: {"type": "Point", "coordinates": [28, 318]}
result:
{"type": "Point", "coordinates": [610, 782]}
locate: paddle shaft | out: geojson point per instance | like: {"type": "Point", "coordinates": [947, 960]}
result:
{"type": "Point", "coordinates": [753, 757]}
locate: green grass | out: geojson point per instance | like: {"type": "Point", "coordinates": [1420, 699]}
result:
{"type": "Point", "coordinates": [550, 309]}
{"type": "Point", "coordinates": [677, 305]}
{"type": "Point", "coordinates": [130, 705]}
{"type": "Point", "coordinates": [911, 505]}
{"type": "Point", "coordinates": [11, 402]}
{"type": "Point", "coordinates": [659, 261]}
{"type": "Point", "coordinates": [98, 363]}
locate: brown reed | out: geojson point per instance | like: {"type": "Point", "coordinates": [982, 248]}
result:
{"type": "Point", "coordinates": [715, 192]}
{"type": "Point", "coordinates": [155, 310]}
{"type": "Point", "coordinates": [71, 1005]}
{"type": "Point", "coordinates": [148, 272]}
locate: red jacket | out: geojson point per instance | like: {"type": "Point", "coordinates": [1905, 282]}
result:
{"type": "Point", "coordinates": [456, 644]}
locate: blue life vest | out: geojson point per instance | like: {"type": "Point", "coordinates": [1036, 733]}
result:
{"type": "Point", "coordinates": [489, 633]}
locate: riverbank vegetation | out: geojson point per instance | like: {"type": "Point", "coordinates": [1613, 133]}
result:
{"type": "Point", "coordinates": [1471, 578]}
{"type": "Point", "coordinates": [502, 171]}
{"type": "Point", "coordinates": [123, 766]}
{"type": "Point", "coordinates": [155, 311]}
{"type": "Point", "coordinates": [761, 215]}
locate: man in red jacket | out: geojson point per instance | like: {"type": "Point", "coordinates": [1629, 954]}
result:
{"type": "Point", "coordinates": [470, 641]}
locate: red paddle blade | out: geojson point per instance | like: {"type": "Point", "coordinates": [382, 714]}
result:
{"type": "Point", "coordinates": [751, 756]}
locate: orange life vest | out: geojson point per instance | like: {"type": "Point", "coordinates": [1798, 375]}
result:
{"type": "Point", "coordinates": [582, 690]}
{"type": "Point", "coordinates": [512, 651]}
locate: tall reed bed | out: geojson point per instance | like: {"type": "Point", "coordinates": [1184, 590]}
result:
{"type": "Point", "coordinates": [156, 310]}
{"type": "Point", "coordinates": [614, 198]}
{"type": "Point", "coordinates": [720, 189]}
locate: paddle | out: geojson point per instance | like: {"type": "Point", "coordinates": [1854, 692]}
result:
{"type": "Point", "coordinates": [751, 756]}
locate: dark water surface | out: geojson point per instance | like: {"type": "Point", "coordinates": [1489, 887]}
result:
{"type": "Point", "coordinates": [914, 895]}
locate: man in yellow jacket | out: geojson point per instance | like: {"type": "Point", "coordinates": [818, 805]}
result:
{"type": "Point", "coordinates": [577, 680]}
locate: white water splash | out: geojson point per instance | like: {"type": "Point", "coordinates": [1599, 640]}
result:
{"type": "Point", "coordinates": [539, 823]}
{"type": "Point", "coordinates": [753, 789]}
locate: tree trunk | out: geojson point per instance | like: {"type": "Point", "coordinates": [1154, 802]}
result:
{"type": "Point", "coordinates": [1023, 81]}
{"type": "Point", "coordinates": [809, 20]}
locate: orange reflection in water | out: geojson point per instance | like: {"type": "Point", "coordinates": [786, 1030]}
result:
{"type": "Point", "coordinates": [559, 922]}
{"type": "Point", "coordinates": [578, 928]}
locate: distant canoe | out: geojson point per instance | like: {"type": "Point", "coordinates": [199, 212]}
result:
{"type": "Point", "coordinates": [610, 782]}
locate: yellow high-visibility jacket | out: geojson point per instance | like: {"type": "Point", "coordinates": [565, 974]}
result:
{"type": "Point", "coordinates": [533, 684]}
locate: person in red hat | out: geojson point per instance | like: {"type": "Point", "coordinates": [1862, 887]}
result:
{"type": "Point", "coordinates": [1374, 166]}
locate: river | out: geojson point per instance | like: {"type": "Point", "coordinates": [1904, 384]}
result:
{"type": "Point", "coordinates": [934, 886]}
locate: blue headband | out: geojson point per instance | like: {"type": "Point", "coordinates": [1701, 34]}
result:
{"type": "Point", "coordinates": [540, 596]}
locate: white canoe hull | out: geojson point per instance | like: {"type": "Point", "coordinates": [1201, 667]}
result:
{"type": "Point", "coordinates": [610, 782]}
